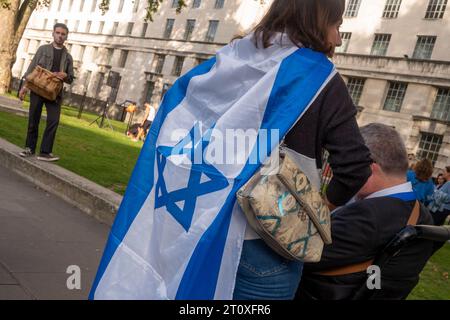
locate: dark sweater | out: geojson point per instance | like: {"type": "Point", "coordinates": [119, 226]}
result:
{"type": "Point", "coordinates": [359, 232]}
{"type": "Point", "coordinates": [330, 124]}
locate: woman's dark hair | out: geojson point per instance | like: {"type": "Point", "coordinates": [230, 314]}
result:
{"type": "Point", "coordinates": [423, 169]}
{"type": "Point", "coordinates": [447, 169]}
{"type": "Point", "coordinates": [305, 22]}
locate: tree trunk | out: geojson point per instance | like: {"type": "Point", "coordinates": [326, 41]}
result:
{"type": "Point", "coordinates": [14, 22]}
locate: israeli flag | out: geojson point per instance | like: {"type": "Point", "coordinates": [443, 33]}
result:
{"type": "Point", "coordinates": [179, 231]}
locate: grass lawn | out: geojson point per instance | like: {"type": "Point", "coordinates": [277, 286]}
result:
{"type": "Point", "coordinates": [434, 281]}
{"type": "Point", "coordinates": [101, 155]}
{"type": "Point", "coordinates": [108, 157]}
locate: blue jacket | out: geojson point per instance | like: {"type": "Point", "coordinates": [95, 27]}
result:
{"type": "Point", "coordinates": [423, 189]}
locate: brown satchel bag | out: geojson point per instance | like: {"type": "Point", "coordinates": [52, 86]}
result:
{"type": "Point", "coordinates": [44, 83]}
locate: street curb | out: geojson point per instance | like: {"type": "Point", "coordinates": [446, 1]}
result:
{"type": "Point", "coordinates": [95, 200]}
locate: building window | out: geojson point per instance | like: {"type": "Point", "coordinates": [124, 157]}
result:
{"type": "Point", "coordinates": [212, 28]}
{"type": "Point", "coordinates": [94, 5]}
{"type": "Point", "coordinates": [441, 106]}
{"type": "Point", "coordinates": [99, 84]}
{"type": "Point", "coordinates": [22, 65]}
{"type": "Point", "coordinates": [81, 55]}
{"type": "Point", "coordinates": [424, 47]}
{"type": "Point", "coordinates": [196, 3]}
{"type": "Point", "coordinates": [109, 56]}
{"type": "Point", "coordinates": [115, 27]}
{"type": "Point", "coordinates": [199, 61]}
{"type": "Point", "coordinates": [380, 44]}
{"type": "Point", "coordinates": [76, 26]}
{"type": "Point", "coordinates": [175, 3]}
{"type": "Point", "coordinates": [177, 66]}
{"type": "Point", "coordinates": [60, 5]}
{"type": "Point", "coordinates": [144, 29]}
{"type": "Point", "coordinates": [166, 87]}
{"type": "Point", "coordinates": [355, 88]}
{"type": "Point", "coordinates": [190, 24]}
{"type": "Point", "coordinates": [120, 8]}
{"type": "Point", "coordinates": [26, 44]}
{"type": "Point", "coordinates": [101, 26]}
{"type": "Point", "coordinates": [391, 9]}
{"type": "Point", "coordinates": [148, 93]}
{"type": "Point", "coordinates": [88, 26]}
{"type": "Point", "coordinates": [436, 9]}
{"type": "Point", "coordinates": [159, 58]}
{"type": "Point", "coordinates": [352, 8]}
{"type": "Point", "coordinates": [219, 4]}
{"type": "Point", "coordinates": [123, 58]}
{"type": "Point", "coordinates": [394, 97]}
{"type": "Point", "coordinates": [81, 5]}
{"type": "Point", "coordinates": [130, 28]}
{"type": "Point", "coordinates": [87, 80]}
{"type": "Point", "coordinates": [94, 54]}
{"type": "Point", "coordinates": [169, 27]}
{"type": "Point", "coordinates": [136, 6]}
{"type": "Point", "coordinates": [429, 146]}
{"type": "Point", "coordinates": [345, 37]}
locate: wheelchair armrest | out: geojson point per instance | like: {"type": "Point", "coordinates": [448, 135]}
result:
{"type": "Point", "coordinates": [435, 233]}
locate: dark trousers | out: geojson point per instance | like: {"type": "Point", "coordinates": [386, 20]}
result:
{"type": "Point", "coordinates": [53, 113]}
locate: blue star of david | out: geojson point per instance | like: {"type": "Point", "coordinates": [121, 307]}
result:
{"type": "Point", "coordinates": [194, 188]}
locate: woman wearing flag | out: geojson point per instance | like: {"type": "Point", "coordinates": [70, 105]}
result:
{"type": "Point", "coordinates": [179, 232]}
{"type": "Point", "coordinates": [329, 123]}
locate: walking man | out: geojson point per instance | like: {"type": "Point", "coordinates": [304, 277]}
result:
{"type": "Point", "coordinates": [56, 58]}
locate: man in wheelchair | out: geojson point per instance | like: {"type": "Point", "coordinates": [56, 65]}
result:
{"type": "Point", "coordinates": [361, 230]}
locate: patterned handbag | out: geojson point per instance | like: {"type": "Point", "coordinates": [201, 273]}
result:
{"type": "Point", "coordinates": [44, 83]}
{"type": "Point", "coordinates": [287, 211]}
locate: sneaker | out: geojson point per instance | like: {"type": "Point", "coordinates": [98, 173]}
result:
{"type": "Point", "coordinates": [49, 157]}
{"type": "Point", "coordinates": [27, 152]}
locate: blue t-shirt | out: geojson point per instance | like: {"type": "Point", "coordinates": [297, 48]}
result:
{"type": "Point", "coordinates": [423, 189]}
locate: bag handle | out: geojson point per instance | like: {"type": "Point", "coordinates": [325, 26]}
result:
{"type": "Point", "coordinates": [362, 266]}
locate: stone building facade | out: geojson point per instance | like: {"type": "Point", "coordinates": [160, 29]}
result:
{"type": "Point", "coordinates": [395, 56]}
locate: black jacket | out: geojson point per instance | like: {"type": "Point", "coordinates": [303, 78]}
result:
{"type": "Point", "coordinates": [330, 124]}
{"type": "Point", "coordinates": [44, 58]}
{"type": "Point", "coordinates": [360, 231]}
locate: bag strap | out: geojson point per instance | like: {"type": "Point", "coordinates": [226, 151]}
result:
{"type": "Point", "coordinates": [362, 266]}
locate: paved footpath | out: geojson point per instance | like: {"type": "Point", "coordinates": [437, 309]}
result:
{"type": "Point", "coordinates": [40, 236]}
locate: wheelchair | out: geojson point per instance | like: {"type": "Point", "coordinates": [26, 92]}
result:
{"type": "Point", "coordinates": [401, 239]}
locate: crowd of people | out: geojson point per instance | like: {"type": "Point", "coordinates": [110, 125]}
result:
{"type": "Point", "coordinates": [434, 193]}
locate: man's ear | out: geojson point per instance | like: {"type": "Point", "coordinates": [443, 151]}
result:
{"type": "Point", "coordinates": [376, 169]}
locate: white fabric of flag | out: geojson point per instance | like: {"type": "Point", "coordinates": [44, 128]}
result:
{"type": "Point", "coordinates": [179, 231]}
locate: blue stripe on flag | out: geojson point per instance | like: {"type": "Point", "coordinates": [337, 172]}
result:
{"type": "Point", "coordinates": [141, 181]}
{"type": "Point", "coordinates": [298, 80]}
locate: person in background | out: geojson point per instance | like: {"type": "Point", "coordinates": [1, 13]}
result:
{"type": "Point", "coordinates": [440, 204]}
{"type": "Point", "coordinates": [440, 181]}
{"type": "Point", "coordinates": [329, 123]}
{"type": "Point", "coordinates": [420, 178]}
{"type": "Point", "coordinates": [56, 58]}
{"type": "Point", "coordinates": [149, 116]}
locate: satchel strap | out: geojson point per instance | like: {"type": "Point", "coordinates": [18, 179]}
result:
{"type": "Point", "coordinates": [414, 217]}
{"type": "Point", "coordinates": [362, 266]}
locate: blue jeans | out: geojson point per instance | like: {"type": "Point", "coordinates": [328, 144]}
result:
{"type": "Point", "coordinates": [265, 275]}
